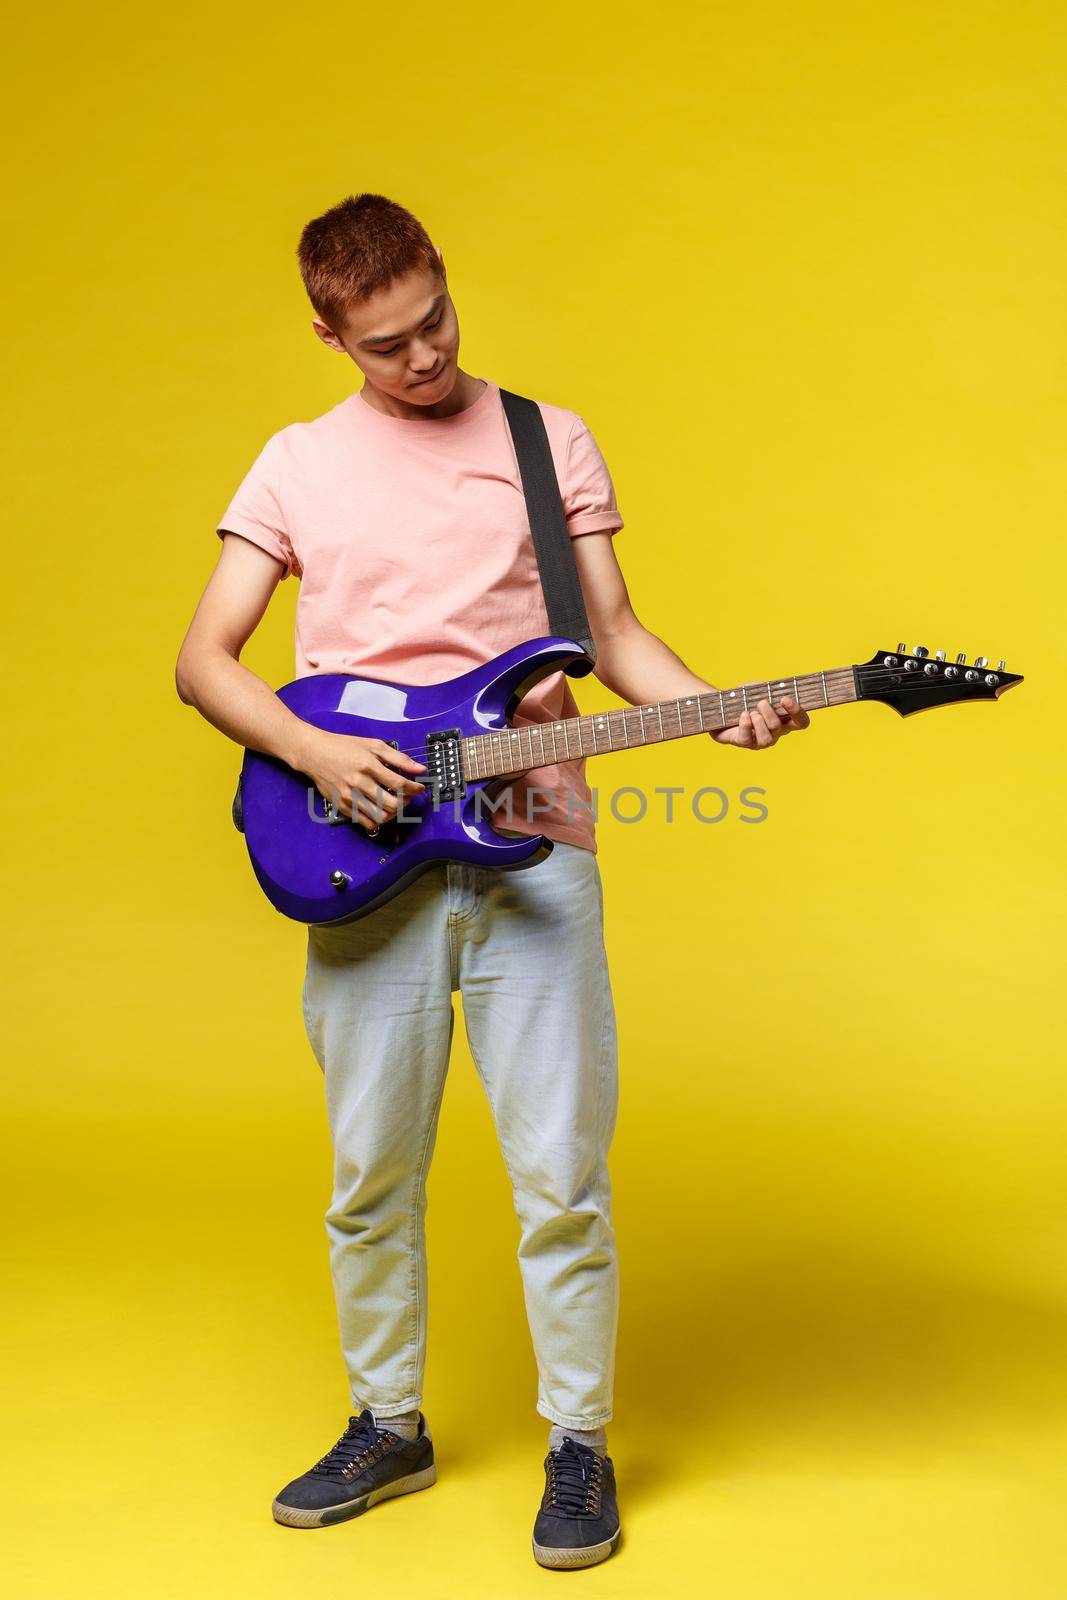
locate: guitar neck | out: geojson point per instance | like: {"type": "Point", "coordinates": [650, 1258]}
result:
{"type": "Point", "coordinates": [509, 751]}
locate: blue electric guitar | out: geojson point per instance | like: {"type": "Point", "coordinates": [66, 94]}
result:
{"type": "Point", "coordinates": [317, 867]}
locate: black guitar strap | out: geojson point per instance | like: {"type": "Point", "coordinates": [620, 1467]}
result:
{"type": "Point", "coordinates": [552, 541]}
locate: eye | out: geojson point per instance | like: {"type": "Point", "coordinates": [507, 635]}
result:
{"type": "Point", "coordinates": [393, 348]}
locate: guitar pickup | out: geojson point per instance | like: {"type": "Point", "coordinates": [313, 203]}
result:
{"type": "Point", "coordinates": [444, 764]}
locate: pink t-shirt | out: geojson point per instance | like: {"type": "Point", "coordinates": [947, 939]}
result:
{"type": "Point", "coordinates": [416, 562]}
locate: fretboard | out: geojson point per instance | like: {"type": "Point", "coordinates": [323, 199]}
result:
{"type": "Point", "coordinates": [543, 744]}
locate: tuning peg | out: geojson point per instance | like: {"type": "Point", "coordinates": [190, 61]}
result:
{"type": "Point", "coordinates": [920, 650]}
{"type": "Point", "coordinates": [902, 649]}
{"type": "Point", "coordinates": [1000, 666]}
{"type": "Point", "coordinates": [961, 658]}
{"type": "Point", "coordinates": [940, 654]}
{"type": "Point", "coordinates": [981, 661]}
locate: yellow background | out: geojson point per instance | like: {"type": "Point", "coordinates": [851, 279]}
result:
{"type": "Point", "coordinates": [800, 267]}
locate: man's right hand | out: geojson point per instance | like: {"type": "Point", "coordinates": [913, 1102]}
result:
{"type": "Point", "coordinates": [363, 779]}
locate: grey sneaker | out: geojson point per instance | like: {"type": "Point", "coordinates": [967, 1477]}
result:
{"type": "Point", "coordinates": [578, 1523]}
{"type": "Point", "coordinates": [367, 1464]}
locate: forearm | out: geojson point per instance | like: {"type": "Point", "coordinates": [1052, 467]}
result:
{"type": "Point", "coordinates": [241, 705]}
{"type": "Point", "coordinates": [636, 665]}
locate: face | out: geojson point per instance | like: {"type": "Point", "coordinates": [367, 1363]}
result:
{"type": "Point", "coordinates": [404, 339]}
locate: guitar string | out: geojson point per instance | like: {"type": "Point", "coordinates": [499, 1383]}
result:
{"type": "Point", "coordinates": [909, 686]}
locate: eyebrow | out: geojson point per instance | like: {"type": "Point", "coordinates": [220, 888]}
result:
{"type": "Point", "coordinates": [387, 338]}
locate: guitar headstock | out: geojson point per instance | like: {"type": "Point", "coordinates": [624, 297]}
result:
{"type": "Point", "coordinates": [915, 682]}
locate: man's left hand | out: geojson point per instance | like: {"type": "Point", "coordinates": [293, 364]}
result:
{"type": "Point", "coordinates": [764, 725]}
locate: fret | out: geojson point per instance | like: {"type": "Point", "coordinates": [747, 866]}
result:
{"type": "Point", "coordinates": [826, 697]}
{"type": "Point", "coordinates": [744, 695]}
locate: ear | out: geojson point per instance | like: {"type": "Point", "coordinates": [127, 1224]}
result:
{"type": "Point", "coordinates": [327, 335]}
{"type": "Point", "coordinates": [441, 259]}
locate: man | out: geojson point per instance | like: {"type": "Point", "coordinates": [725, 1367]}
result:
{"type": "Point", "coordinates": [401, 510]}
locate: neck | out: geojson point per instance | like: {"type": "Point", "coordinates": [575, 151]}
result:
{"type": "Point", "coordinates": [510, 751]}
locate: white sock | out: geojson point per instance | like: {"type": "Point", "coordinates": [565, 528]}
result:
{"type": "Point", "coordinates": [405, 1424]}
{"type": "Point", "coordinates": [595, 1438]}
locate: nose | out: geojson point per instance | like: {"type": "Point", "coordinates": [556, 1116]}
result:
{"type": "Point", "coordinates": [423, 356]}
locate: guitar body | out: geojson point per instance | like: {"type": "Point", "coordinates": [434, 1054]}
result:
{"type": "Point", "coordinates": [320, 871]}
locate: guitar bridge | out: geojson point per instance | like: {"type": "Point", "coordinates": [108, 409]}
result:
{"type": "Point", "coordinates": [444, 764]}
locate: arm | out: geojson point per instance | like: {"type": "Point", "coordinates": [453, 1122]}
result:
{"type": "Point", "coordinates": [638, 666]}
{"type": "Point", "coordinates": [209, 675]}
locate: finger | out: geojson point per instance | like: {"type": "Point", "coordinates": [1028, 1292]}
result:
{"type": "Point", "coordinates": [792, 714]}
{"type": "Point", "coordinates": [392, 782]}
{"type": "Point", "coordinates": [375, 801]}
{"type": "Point", "coordinates": [341, 803]}
{"type": "Point", "coordinates": [745, 729]}
{"type": "Point", "coordinates": [363, 819]}
{"type": "Point", "coordinates": [770, 717]}
{"type": "Point", "coordinates": [764, 736]}
{"type": "Point", "coordinates": [397, 758]}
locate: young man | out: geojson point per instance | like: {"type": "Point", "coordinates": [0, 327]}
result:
{"type": "Point", "coordinates": [401, 510]}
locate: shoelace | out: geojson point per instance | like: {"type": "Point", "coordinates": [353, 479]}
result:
{"type": "Point", "coordinates": [359, 1445]}
{"type": "Point", "coordinates": [574, 1479]}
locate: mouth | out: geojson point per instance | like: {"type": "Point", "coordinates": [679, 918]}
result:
{"type": "Point", "coordinates": [432, 378]}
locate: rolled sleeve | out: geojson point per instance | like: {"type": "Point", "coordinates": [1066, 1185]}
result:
{"type": "Point", "coordinates": [255, 512]}
{"type": "Point", "coordinates": [588, 492]}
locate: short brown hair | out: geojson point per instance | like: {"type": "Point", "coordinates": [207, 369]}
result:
{"type": "Point", "coordinates": [358, 247]}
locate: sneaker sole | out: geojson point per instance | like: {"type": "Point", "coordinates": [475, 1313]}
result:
{"type": "Point", "coordinates": [325, 1516]}
{"type": "Point", "coordinates": [547, 1555]}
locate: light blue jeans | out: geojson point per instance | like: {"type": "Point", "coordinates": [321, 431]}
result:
{"type": "Point", "coordinates": [526, 950]}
